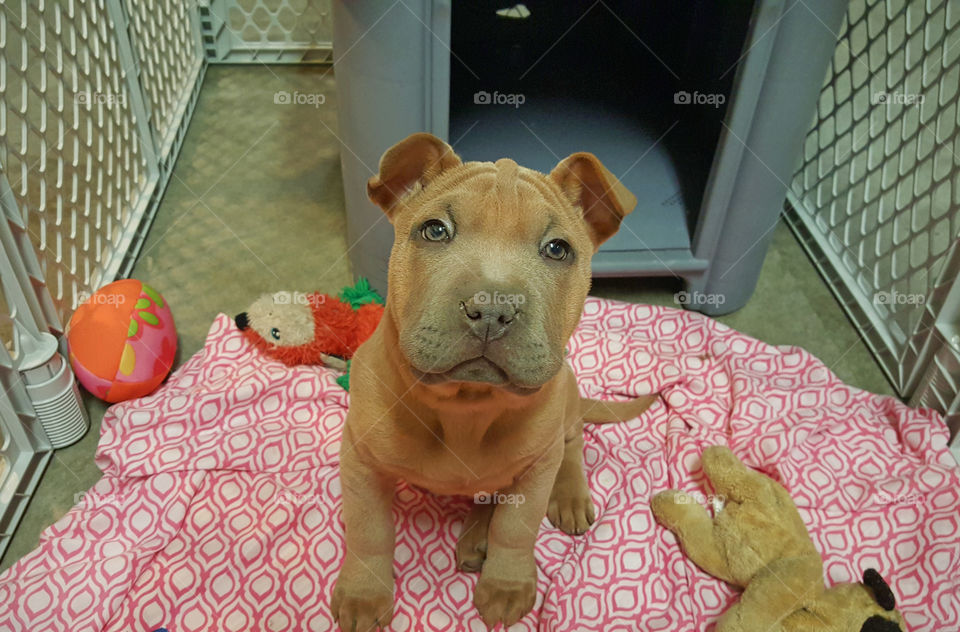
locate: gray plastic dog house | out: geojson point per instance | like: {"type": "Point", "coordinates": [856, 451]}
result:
{"type": "Point", "coordinates": [700, 107]}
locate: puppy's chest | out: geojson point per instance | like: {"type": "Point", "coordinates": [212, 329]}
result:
{"type": "Point", "coordinates": [458, 465]}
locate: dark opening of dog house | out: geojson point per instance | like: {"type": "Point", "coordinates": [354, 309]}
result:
{"type": "Point", "coordinates": [667, 95]}
{"type": "Point", "coordinates": [524, 83]}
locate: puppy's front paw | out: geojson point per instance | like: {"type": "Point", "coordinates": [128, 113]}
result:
{"type": "Point", "coordinates": [471, 551]}
{"type": "Point", "coordinates": [504, 601]}
{"type": "Point", "coordinates": [472, 543]}
{"type": "Point", "coordinates": [571, 514]}
{"type": "Point", "coordinates": [362, 602]}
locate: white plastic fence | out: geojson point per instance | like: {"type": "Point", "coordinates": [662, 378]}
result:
{"type": "Point", "coordinates": [267, 31]}
{"type": "Point", "coordinates": [876, 200]}
{"type": "Point", "coordinates": [95, 98]}
{"type": "Point", "coordinates": [93, 107]}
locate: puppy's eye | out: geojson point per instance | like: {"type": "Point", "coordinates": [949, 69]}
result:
{"type": "Point", "coordinates": [435, 230]}
{"type": "Point", "coordinates": [557, 249]}
{"type": "Point", "coordinates": [275, 333]}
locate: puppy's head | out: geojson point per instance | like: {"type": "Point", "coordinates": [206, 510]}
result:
{"type": "Point", "coordinates": [490, 265]}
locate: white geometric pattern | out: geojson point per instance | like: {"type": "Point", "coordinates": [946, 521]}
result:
{"type": "Point", "coordinates": [219, 508]}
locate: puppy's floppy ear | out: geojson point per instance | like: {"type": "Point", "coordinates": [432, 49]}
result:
{"type": "Point", "coordinates": [414, 161]}
{"type": "Point", "coordinates": [602, 198]}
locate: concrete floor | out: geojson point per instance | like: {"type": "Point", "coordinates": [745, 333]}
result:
{"type": "Point", "coordinates": [255, 204]}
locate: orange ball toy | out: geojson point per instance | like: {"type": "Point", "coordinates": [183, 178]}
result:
{"type": "Point", "coordinates": [122, 341]}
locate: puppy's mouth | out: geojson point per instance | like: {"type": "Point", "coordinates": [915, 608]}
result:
{"type": "Point", "coordinates": [480, 369]}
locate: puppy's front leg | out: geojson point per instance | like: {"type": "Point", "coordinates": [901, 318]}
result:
{"type": "Point", "coordinates": [508, 582]}
{"type": "Point", "coordinates": [363, 595]}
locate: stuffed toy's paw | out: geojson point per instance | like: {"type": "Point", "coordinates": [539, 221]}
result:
{"type": "Point", "coordinates": [758, 542]}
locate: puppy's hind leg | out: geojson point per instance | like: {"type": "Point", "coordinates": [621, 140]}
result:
{"type": "Point", "coordinates": [472, 543]}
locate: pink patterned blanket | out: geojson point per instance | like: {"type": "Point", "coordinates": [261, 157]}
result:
{"type": "Point", "coordinates": [219, 508]}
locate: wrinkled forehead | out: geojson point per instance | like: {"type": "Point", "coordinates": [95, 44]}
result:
{"type": "Point", "coordinates": [501, 195]}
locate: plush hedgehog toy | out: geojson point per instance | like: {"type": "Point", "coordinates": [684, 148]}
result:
{"type": "Point", "coordinates": [759, 543]}
{"type": "Point", "coordinates": [315, 328]}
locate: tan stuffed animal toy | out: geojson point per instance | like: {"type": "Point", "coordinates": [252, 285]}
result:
{"type": "Point", "coordinates": [759, 543]}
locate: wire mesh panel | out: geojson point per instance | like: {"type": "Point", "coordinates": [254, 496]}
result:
{"type": "Point", "coordinates": [24, 445]}
{"type": "Point", "coordinates": [95, 97]}
{"type": "Point", "coordinates": [274, 31]}
{"type": "Point", "coordinates": [164, 40]}
{"type": "Point", "coordinates": [939, 386]}
{"type": "Point", "coordinates": [71, 152]}
{"type": "Point", "coordinates": [95, 101]}
{"type": "Point", "coordinates": [164, 35]}
{"type": "Point", "coordinates": [875, 200]}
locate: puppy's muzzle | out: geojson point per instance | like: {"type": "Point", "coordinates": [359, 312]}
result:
{"type": "Point", "coordinates": [490, 314]}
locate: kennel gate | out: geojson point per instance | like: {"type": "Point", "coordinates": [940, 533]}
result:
{"type": "Point", "coordinates": [94, 103]}
{"type": "Point", "coordinates": [876, 199]}
{"type": "Point", "coordinates": [96, 98]}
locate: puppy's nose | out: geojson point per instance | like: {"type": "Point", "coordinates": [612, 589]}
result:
{"type": "Point", "coordinates": [490, 315]}
{"type": "Point", "coordinates": [242, 321]}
